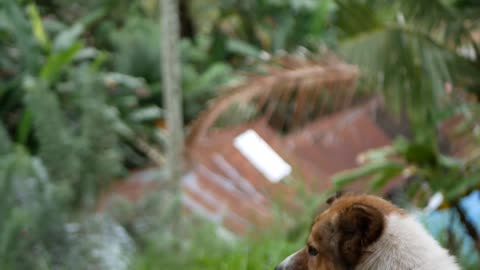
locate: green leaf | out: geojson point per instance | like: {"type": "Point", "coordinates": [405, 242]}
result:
{"type": "Point", "coordinates": [346, 177]}
{"type": "Point", "coordinates": [66, 39]}
{"type": "Point", "coordinates": [421, 154]}
{"type": "Point", "coordinates": [280, 35]}
{"type": "Point", "coordinates": [380, 180]}
{"type": "Point", "coordinates": [93, 16]}
{"type": "Point", "coordinates": [128, 81]}
{"type": "Point", "coordinates": [24, 127]}
{"type": "Point", "coordinates": [56, 62]}
{"type": "Point", "coordinates": [450, 162]}
{"type": "Point", "coordinates": [242, 48]}
{"type": "Point", "coordinates": [146, 114]}
{"type": "Point", "coordinates": [357, 17]}
{"type": "Point", "coordinates": [462, 187]}
{"type": "Point", "coordinates": [99, 60]}
{"type": "Point", "coordinates": [37, 26]}
{"type": "Point", "coordinates": [217, 72]}
{"type": "Point", "coordinates": [378, 154]}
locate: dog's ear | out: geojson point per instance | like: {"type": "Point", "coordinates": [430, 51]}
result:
{"type": "Point", "coordinates": [358, 227]}
{"type": "Point", "coordinates": [332, 198]}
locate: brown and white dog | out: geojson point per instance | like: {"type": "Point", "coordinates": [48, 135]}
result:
{"type": "Point", "coordinates": [359, 232]}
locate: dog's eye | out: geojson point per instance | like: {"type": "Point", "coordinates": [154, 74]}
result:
{"type": "Point", "coordinates": [312, 251]}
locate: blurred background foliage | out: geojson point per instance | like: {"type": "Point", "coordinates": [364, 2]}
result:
{"type": "Point", "coordinates": [81, 105]}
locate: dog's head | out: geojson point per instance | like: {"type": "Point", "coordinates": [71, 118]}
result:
{"type": "Point", "coordinates": [340, 235]}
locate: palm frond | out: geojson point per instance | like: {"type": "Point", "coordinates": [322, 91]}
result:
{"type": "Point", "coordinates": [292, 93]}
{"type": "Point", "coordinates": [445, 23]}
{"type": "Point", "coordinates": [412, 67]}
{"type": "Point", "coordinates": [356, 17]}
{"type": "Point", "coordinates": [410, 52]}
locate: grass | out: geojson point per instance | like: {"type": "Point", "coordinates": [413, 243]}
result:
{"type": "Point", "coordinates": [199, 247]}
{"type": "Point", "coordinates": [205, 249]}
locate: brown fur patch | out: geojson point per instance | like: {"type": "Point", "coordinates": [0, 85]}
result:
{"type": "Point", "coordinates": [341, 234]}
{"type": "Point", "coordinates": [332, 198]}
{"type": "Point", "coordinates": [385, 207]}
{"type": "Point", "coordinates": [359, 226]}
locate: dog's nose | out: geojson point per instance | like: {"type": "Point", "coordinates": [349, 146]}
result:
{"type": "Point", "coordinates": [278, 268]}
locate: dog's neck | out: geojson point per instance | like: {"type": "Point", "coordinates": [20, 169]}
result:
{"type": "Point", "coordinates": [406, 245]}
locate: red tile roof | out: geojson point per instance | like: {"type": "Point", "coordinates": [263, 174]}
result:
{"type": "Point", "coordinates": [224, 186]}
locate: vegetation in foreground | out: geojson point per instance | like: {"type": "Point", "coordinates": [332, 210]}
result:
{"type": "Point", "coordinates": [80, 98]}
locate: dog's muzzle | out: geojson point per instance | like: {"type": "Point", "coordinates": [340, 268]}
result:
{"type": "Point", "coordinates": [290, 263]}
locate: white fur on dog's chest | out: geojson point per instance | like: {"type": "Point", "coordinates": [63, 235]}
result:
{"type": "Point", "coordinates": [406, 245]}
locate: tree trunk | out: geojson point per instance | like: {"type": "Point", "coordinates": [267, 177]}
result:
{"type": "Point", "coordinates": [172, 91]}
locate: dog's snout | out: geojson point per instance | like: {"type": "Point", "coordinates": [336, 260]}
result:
{"type": "Point", "coordinates": [289, 262]}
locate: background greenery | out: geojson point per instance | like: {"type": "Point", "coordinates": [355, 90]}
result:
{"type": "Point", "coordinates": [81, 105]}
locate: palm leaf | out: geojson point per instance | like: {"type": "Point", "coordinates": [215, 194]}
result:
{"type": "Point", "coordinates": [293, 91]}
{"type": "Point", "coordinates": [357, 17]}
{"type": "Point", "coordinates": [410, 67]}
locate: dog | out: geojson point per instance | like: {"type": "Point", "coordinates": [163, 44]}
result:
{"type": "Point", "coordinates": [360, 232]}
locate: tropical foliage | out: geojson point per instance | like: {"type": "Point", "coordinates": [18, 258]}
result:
{"type": "Point", "coordinates": [81, 105]}
{"type": "Point", "coordinates": [423, 55]}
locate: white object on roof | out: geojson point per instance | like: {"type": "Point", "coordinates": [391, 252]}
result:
{"type": "Point", "coordinates": [262, 156]}
{"type": "Point", "coordinates": [434, 203]}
